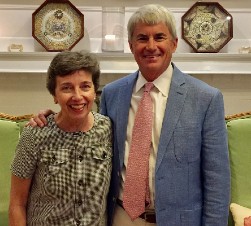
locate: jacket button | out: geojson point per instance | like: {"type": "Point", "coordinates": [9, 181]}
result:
{"type": "Point", "coordinates": [80, 182]}
{"type": "Point", "coordinates": [104, 155]}
{"type": "Point", "coordinates": [80, 202]}
{"type": "Point", "coordinates": [80, 158]}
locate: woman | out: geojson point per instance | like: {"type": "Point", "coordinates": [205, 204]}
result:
{"type": "Point", "coordinates": [61, 172]}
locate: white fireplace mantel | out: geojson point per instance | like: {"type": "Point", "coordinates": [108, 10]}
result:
{"type": "Point", "coordinates": [123, 63]}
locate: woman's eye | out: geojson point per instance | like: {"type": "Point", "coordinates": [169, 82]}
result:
{"type": "Point", "coordinates": [85, 87]}
{"type": "Point", "coordinates": [66, 88]}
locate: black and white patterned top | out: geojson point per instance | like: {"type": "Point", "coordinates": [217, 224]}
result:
{"type": "Point", "coordinates": [70, 173]}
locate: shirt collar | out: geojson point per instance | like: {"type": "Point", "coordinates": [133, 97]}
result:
{"type": "Point", "coordinates": [162, 83]}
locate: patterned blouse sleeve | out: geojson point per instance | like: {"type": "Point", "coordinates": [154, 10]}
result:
{"type": "Point", "coordinates": [25, 159]}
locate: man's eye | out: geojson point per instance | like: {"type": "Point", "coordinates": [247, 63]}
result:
{"type": "Point", "coordinates": [142, 39]}
{"type": "Point", "coordinates": [160, 38]}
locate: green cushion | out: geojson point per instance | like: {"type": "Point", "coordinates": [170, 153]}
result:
{"type": "Point", "coordinates": [239, 142]}
{"type": "Point", "coordinates": [21, 125]}
{"type": "Point", "coordinates": [9, 136]}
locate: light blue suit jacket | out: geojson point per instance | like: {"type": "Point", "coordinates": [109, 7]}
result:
{"type": "Point", "coordinates": [192, 177]}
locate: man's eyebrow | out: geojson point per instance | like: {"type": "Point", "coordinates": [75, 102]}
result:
{"type": "Point", "coordinates": [141, 35]}
{"type": "Point", "coordinates": [157, 34]}
{"type": "Point", "coordinates": [160, 33]}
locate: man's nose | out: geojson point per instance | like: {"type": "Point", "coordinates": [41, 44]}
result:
{"type": "Point", "coordinates": [151, 44]}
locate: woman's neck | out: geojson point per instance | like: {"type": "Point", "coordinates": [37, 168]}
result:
{"type": "Point", "coordinates": [74, 125]}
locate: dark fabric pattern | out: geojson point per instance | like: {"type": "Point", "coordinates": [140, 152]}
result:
{"type": "Point", "coordinates": [70, 173]}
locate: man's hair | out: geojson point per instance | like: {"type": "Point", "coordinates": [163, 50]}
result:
{"type": "Point", "coordinates": [67, 62]}
{"type": "Point", "coordinates": [152, 14]}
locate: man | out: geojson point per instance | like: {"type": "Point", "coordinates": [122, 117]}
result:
{"type": "Point", "coordinates": [189, 176]}
{"type": "Point", "coordinates": [189, 169]}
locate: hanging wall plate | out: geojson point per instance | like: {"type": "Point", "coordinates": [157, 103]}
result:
{"type": "Point", "coordinates": [57, 25]}
{"type": "Point", "coordinates": [207, 27]}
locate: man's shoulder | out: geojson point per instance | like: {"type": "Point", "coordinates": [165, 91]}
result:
{"type": "Point", "coordinates": [196, 82]}
{"type": "Point", "coordinates": [121, 81]}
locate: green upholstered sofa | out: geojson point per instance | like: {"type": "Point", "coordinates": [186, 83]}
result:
{"type": "Point", "coordinates": [239, 143]}
{"type": "Point", "coordinates": [10, 129]}
{"type": "Point", "coordinates": [239, 134]}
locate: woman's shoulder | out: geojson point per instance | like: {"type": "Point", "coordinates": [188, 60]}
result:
{"type": "Point", "coordinates": [102, 120]}
{"type": "Point", "coordinates": [100, 117]}
{"type": "Point", "coordinates": [37, 131]}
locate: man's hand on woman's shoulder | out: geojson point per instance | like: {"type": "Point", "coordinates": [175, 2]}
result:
{"type": "Point", "coordinates": [40, 119]}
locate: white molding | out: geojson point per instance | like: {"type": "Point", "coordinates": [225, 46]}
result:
{"type": "Point", "coordinates": [34, 7]}
{"type": "Point", "coordinates": [124, 63]}
{"type": "Point", "coordinates": [99, 8]}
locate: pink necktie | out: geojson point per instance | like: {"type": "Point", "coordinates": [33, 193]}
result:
{"type": "Point", "coordinates": [136, 188]}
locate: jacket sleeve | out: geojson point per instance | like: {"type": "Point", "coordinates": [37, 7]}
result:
{"type": "Point", "coordinates": [215, 165]}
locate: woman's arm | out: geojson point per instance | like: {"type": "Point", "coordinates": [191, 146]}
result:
{"type": "Point", "coordinates": [18, 200]}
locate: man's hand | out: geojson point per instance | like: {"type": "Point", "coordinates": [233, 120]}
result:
{"type": "Point", "coordinates": [40, 119]}
{"type": "Point", "coordinates": [247, 221]}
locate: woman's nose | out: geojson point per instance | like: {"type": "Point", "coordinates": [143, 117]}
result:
{"type": "Point", "coordinates": [77, 94]}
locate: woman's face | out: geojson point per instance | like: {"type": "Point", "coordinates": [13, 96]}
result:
{"type": "Point", "coordinates": [75, 94]}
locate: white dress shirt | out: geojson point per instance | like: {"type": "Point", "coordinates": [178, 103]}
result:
{"type": "Point", "coordinates": [159, 95]}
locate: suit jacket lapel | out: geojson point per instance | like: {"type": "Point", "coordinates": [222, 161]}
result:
{"type": "Point", "coordinates": [124, 101]}
{"type": "Point", "coordinates": [174, 106]}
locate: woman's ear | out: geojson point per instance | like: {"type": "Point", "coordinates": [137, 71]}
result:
{"type": "Point", "coordinates": [55, 100]}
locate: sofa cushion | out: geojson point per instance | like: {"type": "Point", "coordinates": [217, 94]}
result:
{"type": "Point", "coordinates": [9, 136]}
{"type": "Point", "coordinates": [239, 213]}
{"type": "Point", "coordinates": [239, 143]}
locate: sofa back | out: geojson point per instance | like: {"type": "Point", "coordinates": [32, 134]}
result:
{"type": "Point", "coordinates": [239, 144]}
{"type": "Point", "coordinates": [10, 129]}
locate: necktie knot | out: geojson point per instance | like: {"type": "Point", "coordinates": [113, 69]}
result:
{"type": "Point", "coordinates": [148, 87]}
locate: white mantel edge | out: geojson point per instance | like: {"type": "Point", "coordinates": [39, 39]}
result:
{"type": "Point", "coordinates": [123, 63]}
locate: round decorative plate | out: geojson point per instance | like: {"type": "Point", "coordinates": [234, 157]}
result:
{"type": "Point", "coordinates": [57, 25]}
{"type": "Point", "coordinates": [207, 27]}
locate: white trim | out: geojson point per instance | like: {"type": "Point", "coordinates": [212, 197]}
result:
{"type": "Point", "coordinates": [99, 9]}
{"type": "Point", "coordinates": [124, 63]}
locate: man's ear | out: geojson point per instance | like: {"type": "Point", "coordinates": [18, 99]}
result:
{"type": "Point", "coordinates": [130, 45]}
{"type": "Point", "coordinates": [175, 44]}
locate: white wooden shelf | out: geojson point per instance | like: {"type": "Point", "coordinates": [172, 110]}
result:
{"type": "Point", "coordinates": [123, 63]}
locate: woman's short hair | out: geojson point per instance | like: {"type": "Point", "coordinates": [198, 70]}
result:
{"type": "Point", "coordinates": [152, 14]}
{"type": "Point", "coordinates": [67, 62]}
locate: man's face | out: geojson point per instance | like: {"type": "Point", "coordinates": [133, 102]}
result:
{"type": "Point", "coordinates": [152, 47]}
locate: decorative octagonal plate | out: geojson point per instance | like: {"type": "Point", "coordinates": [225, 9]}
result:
{"type": "Point", "coordinates": [57, 25]}
{"type": "Point", "coordinates": [207, 27]}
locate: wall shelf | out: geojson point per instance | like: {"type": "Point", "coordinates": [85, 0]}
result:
{"type": "Point", "coordinates": [123, 63]}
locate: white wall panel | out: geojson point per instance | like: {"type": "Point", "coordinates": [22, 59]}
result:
{"type": "Point", "coordinates": [24, 92]}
